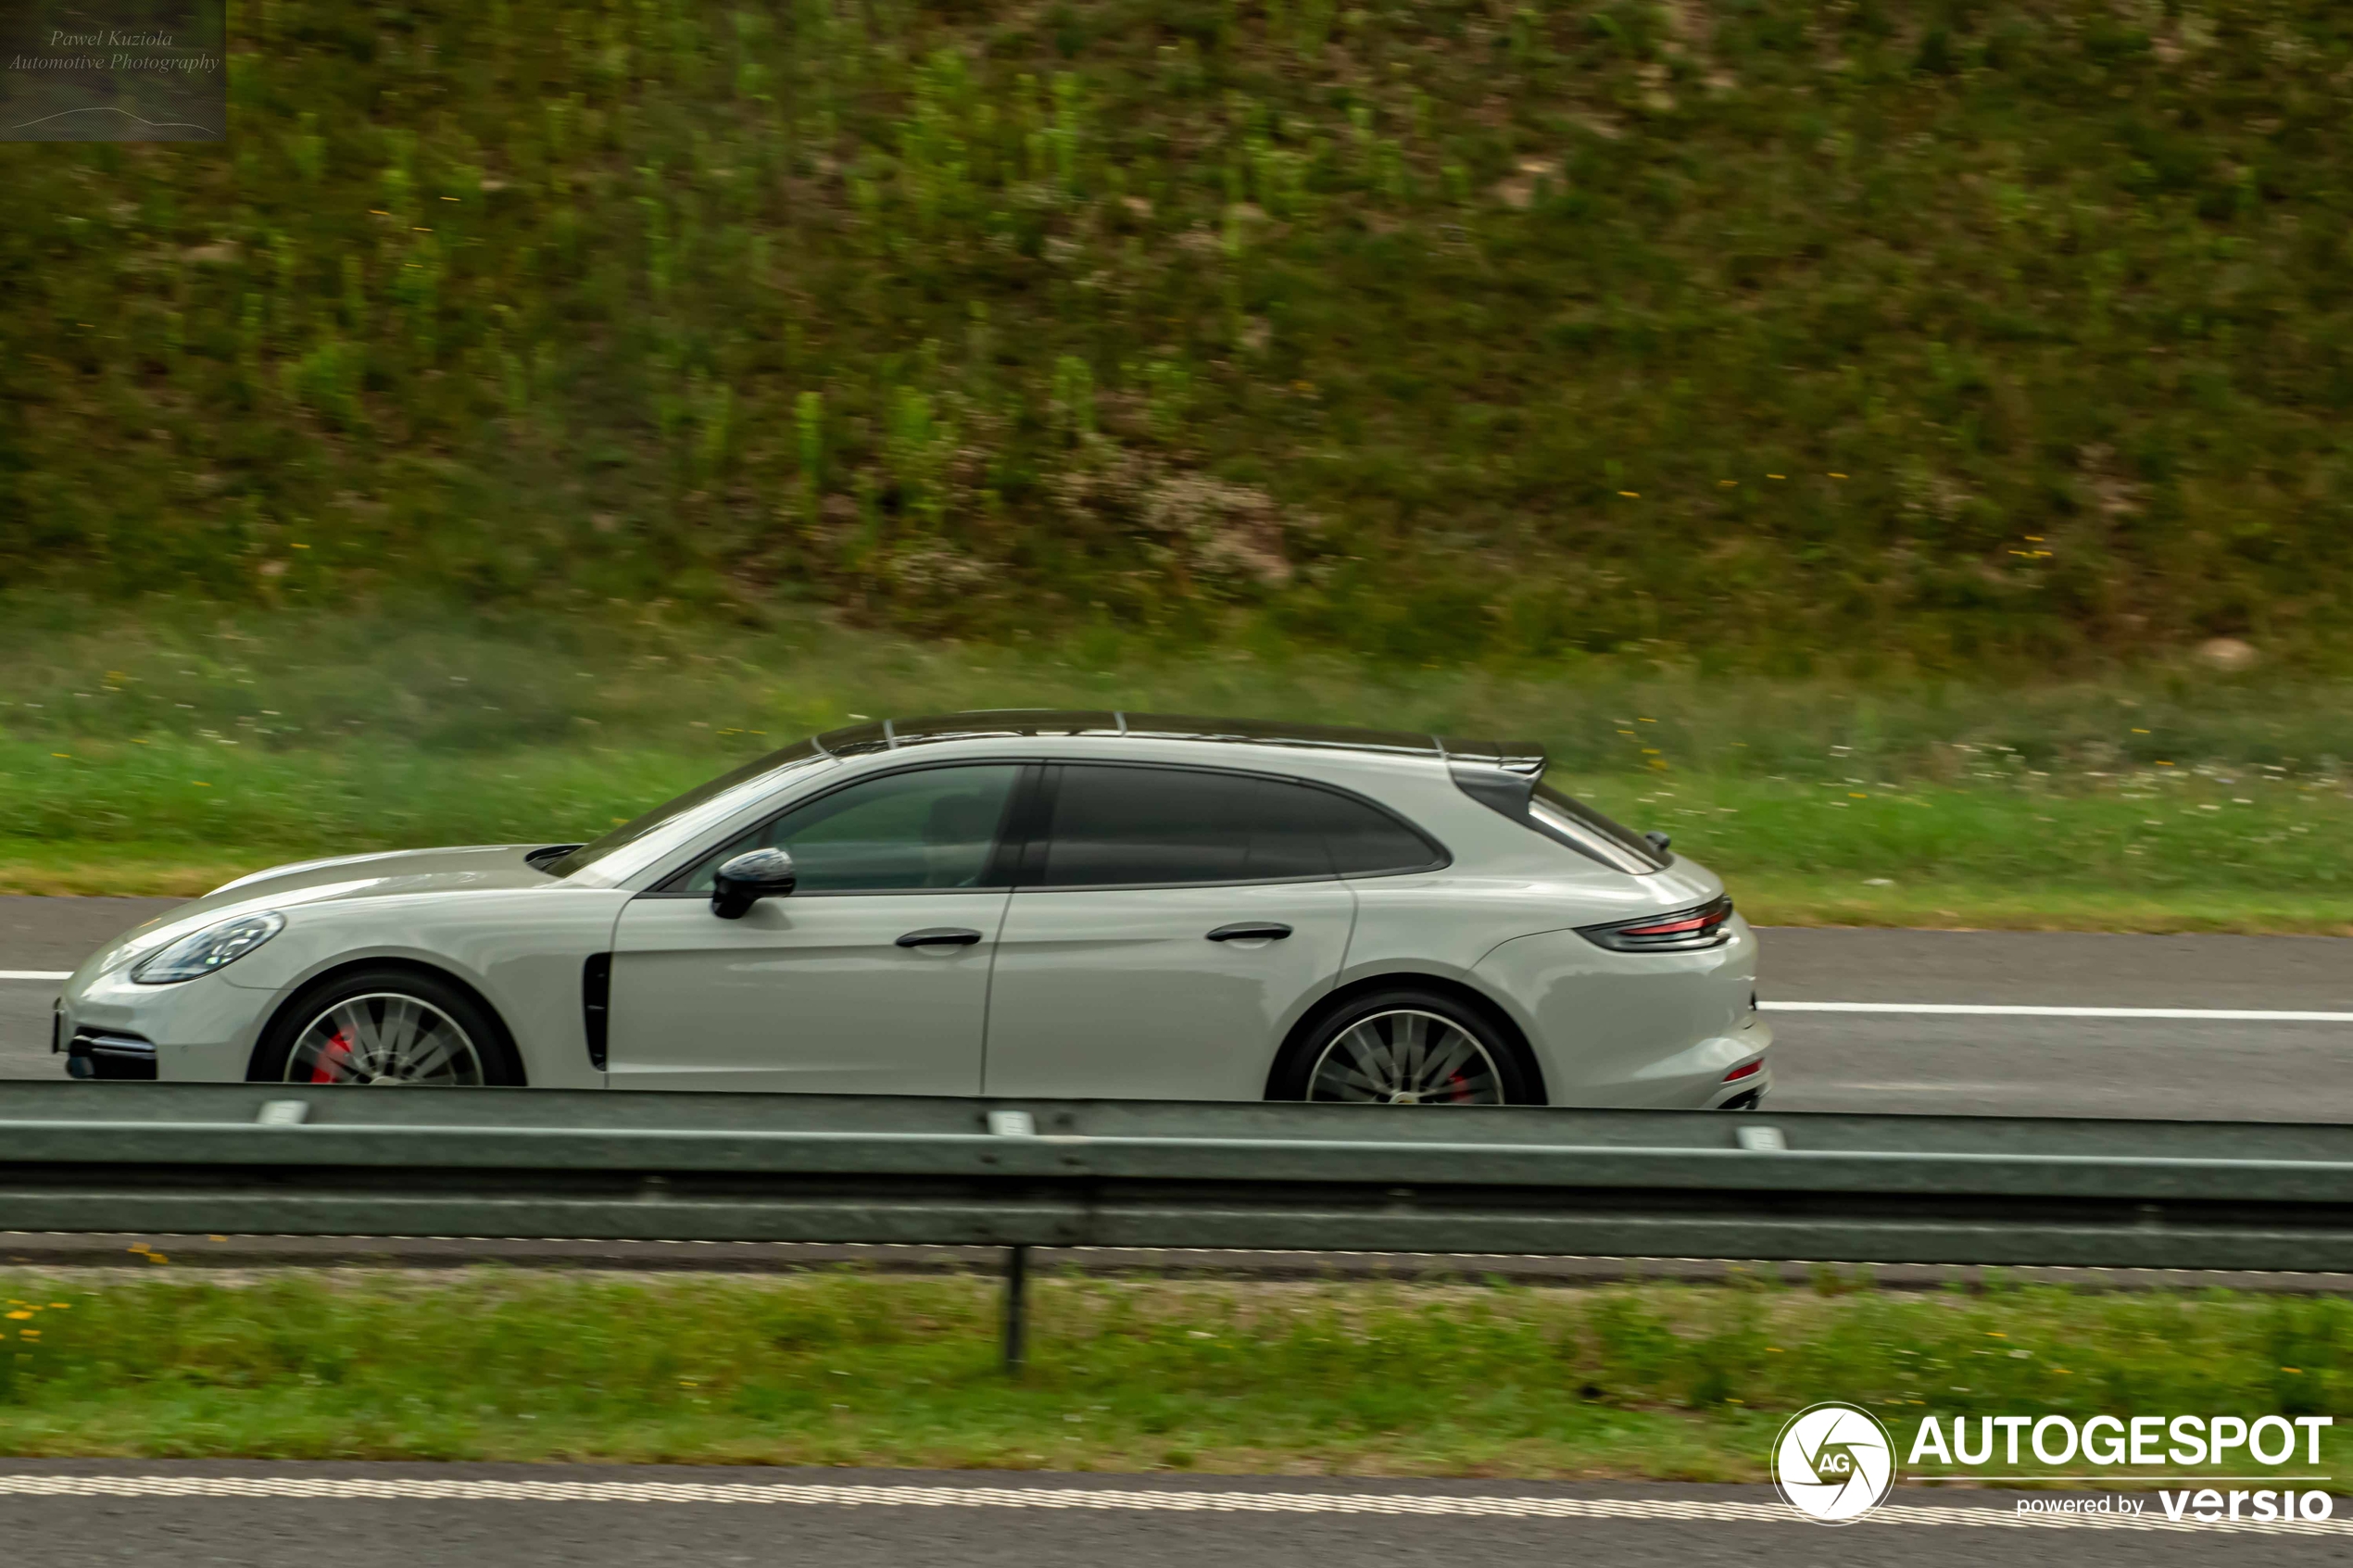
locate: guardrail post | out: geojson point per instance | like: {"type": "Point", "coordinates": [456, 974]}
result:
{"type": "Point", "coordinates": [1017, 1309]}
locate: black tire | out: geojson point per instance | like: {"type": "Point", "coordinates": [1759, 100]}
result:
{"type": "Point", "coordinates": [1318, 1064]}
{"type": "Point", "coordinates": [385, 997]}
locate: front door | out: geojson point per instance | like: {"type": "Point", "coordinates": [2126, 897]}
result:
{"type": "Point", "coordinates": [1169, 927]}
{"type": "Point", "coordinates": [871, 977]}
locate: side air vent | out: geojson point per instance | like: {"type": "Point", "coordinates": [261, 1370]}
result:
{"type": "Point", "coordinates": [596, 1004]}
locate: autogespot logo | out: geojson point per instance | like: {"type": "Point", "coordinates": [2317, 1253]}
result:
{"type": "Point", "coordinates": [1833, 1463]}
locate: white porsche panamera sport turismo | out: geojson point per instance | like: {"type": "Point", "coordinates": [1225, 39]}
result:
{"type": "Point", "coordinates": [1051, 904]}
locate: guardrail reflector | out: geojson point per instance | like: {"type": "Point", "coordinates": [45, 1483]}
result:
{"type": "Point", "coordinates": [1763, 1140]}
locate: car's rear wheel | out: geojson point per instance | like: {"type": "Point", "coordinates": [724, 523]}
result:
{"type": "Point", "coordinates": [1406, 1047]}
{"type": "Point", "coordinates": [392, 1027]}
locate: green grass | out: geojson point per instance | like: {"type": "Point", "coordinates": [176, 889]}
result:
{"type": "Point", "coordinates": [1656, 1382]}
{"type": "Point", "coordinates": [166, 750]}
{"type": "Point", "coordinates": [1998, 336]}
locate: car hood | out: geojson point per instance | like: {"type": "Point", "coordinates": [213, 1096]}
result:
{"type": "Point", "coordinates": [474, 868]}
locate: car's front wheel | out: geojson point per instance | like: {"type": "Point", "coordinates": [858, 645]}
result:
{"type": "Point", "coordinates": [392, 1026]}
{"type": "Point", "coordinates": [1404, 1046]}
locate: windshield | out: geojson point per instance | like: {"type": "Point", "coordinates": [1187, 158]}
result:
{"type": "Point", "coordinates": [668, 811]}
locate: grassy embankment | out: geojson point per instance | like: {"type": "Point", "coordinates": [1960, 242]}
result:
{"type": "Point", "coordinates": [1971, 337]}
{"type": "Point", "coordinates": [163, 754]}
{"type": "Point", "coordinates": [1656, 1382]}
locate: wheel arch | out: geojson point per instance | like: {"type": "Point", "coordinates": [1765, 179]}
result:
{"type": "Point", "coordinates": [301, 995]}
{"type": "Point", "coordinates": [1458, 991]}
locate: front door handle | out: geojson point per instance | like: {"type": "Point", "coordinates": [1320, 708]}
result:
{"type": "Point", "coordinates": [940, 936]}
{"type": "Point", "coordinates": [1250, 930]}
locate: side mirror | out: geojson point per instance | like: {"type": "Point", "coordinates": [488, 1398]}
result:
{"type": "Point", "coordinates": [748, 878]}
{"type": "Point", "coordinates": [1658, 840]}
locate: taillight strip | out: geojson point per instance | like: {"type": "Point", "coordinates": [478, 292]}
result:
{"type": "Point", "coordinates": [1696, 923]}
{"type": "Point", "coordinates": [1678, 931]}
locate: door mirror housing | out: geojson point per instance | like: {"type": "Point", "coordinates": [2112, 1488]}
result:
{"type": "Point", "coordinates": [748, 878]}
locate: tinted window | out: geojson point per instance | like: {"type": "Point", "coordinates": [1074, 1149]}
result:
{"type": "Point", "coordinates": [1121, 826]}
{"type": "Point", "coordinates": [1365, 840]}
{"type": "Point", "coordinates": [933, 827]}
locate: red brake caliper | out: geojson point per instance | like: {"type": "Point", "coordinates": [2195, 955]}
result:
{"type": "Point", "coordinates": [338, 1052]}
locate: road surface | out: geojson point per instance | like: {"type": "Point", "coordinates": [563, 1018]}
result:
{"type": "Point", "coordinates": [587, 1516]}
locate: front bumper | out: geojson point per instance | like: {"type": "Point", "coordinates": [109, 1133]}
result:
{"type": "Point", "coordinates": [198, 1031]}
{"type": "Point", "coordinates": [90, 1054]}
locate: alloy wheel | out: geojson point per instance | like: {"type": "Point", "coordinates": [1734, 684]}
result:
{"type": "Point", "coordinates": [1406, 1057]}
{"type": "Point", "coordinates": [384, 1038]}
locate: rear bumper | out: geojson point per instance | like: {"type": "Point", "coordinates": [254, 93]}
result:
{"type": "Point", "coordinates": [1744, 1093]}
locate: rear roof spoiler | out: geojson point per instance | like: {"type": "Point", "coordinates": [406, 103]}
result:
{"type": "Point", "coordinates": [1523, 758]}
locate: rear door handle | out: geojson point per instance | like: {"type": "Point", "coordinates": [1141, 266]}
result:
{"type": "Point", "coordinates": [1250, 930]}
{"type": "Point", "coordinates": [940, 936]}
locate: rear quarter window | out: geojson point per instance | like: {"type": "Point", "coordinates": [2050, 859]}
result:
{"type": "Point", "coordinates": [1365, 840]}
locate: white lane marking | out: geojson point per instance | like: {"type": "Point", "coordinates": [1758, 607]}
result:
{"type": "Point", "coordinates": [36, 974]}
{"type": "Point", "coordinates": [1979, 1009]}
{"type": "Point", "coordinates": [1101, 1499]}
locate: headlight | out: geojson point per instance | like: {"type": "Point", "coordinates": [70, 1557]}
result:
{"type": "Point", "coordinates": [208, 949]}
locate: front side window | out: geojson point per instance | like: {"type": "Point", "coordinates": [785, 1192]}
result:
{"type": "Point", "coordinates": [926, 828]}
{"type": "Point", "coordinates": [1134, 826]}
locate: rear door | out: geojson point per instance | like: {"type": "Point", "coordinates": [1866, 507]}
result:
{"type": "Point", "coordinates": [1169, 926]}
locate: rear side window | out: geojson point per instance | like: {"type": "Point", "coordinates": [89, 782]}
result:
{"type": "Point", "coordinates": [1124, 826]}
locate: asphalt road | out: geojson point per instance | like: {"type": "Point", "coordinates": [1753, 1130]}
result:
{"type": "Point", "coordinates": [2264, 1069]}
{"type": "Point", "coordinates": [597, 1516]}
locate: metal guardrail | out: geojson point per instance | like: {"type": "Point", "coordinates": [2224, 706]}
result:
{"type": "Point", "coordinates": [1765, 1185]}
{"type": "Point", "coordinates": [81, 1157]}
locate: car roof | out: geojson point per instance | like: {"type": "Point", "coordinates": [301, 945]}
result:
{"type": "Point", "coordinates": [892, 734]}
